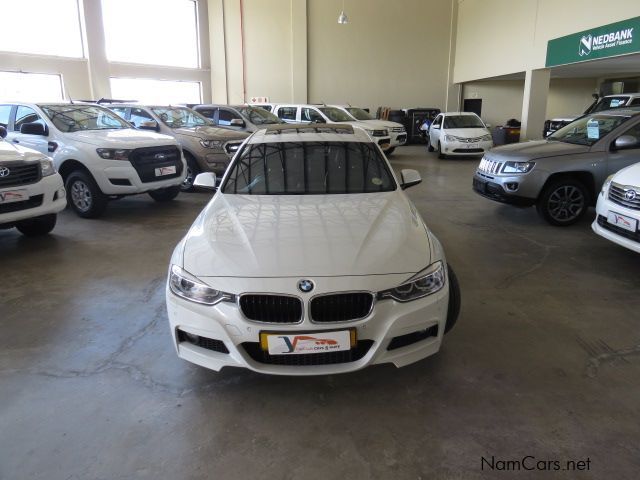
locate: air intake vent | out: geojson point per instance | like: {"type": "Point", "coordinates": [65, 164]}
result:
{"type": "Point", "coordinates": [341, 307]}
{"type": "Point", "coordinates": [271, 308]}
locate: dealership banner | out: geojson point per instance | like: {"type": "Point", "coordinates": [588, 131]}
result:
{"type": "Point", "coordinates": [618, 38]}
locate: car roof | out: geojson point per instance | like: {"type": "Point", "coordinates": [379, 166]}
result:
{"type": "Point", "coordinates": [326, 132]}
{"type": "Point", "coordinates": [460, 113]}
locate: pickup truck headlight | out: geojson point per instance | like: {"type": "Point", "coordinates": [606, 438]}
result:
{"type": "Point", "coordinates": [518, 167]}
{"type": "Point", "coordinates": [211, 143]}
{"type": "Point", "coordinates": [185, 285]}
{"type": "Point", "coordinates": [114, 153]}
{"type": "Point", "coordinates": [606, 184]}
{"type": "Point", "coordinates": [427, 282]}
{"type": "Point", "coordinates": [46, 167]}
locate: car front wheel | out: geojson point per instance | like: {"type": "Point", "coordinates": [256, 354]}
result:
{"type": "Point", "coordinates": [165, 194]}
{"type": "Point", "coordinates": [563, 202]}
{"type": "Point", "coordinates": [440, 154]}
{"type": "Point", "coordinates": [454, 300]}
{"type": "Point", "coordinates": [35, 227]}
{"type": "Point", "coordinates": [84, 195]}
{"type": "Point", "coordinates": [192, 172]}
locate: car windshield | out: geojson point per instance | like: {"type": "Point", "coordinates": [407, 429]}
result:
{"type": "Point", "coordinates": [72, 118]}
{"type": "Point", "coordinates": [588, 129]}
{"type": "Point", "coordinates": [180, 117]}
{"type": "Point", "coordinates": [462, 121]}
{"type": "Point", "coordinates": [358, 113]}
{"type": "Point", "coordinates": [259, 116]}
{"type": "Point", "coordinates": [336, 115]}
{"type": "Point", "coordinates": [308, 168]}
{"type": "Point", "coordinates": [608, 103]}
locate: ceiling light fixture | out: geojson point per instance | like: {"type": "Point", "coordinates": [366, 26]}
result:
{"type": "Point", "coordinates": [342, 18]}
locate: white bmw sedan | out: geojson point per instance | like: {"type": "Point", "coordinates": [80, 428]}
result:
{"type": "Point", "coordinates": [309, 260]}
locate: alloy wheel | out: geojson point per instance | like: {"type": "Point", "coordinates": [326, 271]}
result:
{"type": "Point", "coordinates": [81, 195]}
{"type": "Point", "coordinates": [187, 183]}
{"type": "Point", "coordinates": [566, 203]}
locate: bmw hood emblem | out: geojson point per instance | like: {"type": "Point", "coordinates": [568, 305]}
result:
{"type": "Point", "coordinates": [305, 285]}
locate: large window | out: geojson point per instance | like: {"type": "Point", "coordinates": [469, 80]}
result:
{"type": "Point", "coordinates": [159, 92]}
{"type": "Point", "coordinates": [44, 27]}
{"type": "Point", "coordinates": [151, 32]}
{"type": "Point", "coordinates": [31, 87]}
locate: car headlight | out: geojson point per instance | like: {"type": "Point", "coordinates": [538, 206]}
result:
{"type": "Point", "coordinates": [114, 153]}
{"type": "Point", "coordinates": [211, 143]}
{"type": "Point", "coordinates": [517, 167]}
{"type": "Point", "coordinates": [449, 138]}
{"type": "Point", "coordinates": [185, 285]}
{"type": "Point", "coordinates": [606, 184]}
{"type": "Point", "coordinates": [425, 283]}
{"type": "Point", "coordinates": [487, 137]}
{"type": "Point", "coordinates": [46, 167]}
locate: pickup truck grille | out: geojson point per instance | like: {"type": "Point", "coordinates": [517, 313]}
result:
{"type": "Point", "coordinates": [271, 308]}
{"type": "Point", "coordinates": [146, 160]}
{"type": "Point", "coordinates": [628, 197]}
{"type": "Point", "coordinates": [16, 174]}
{"type": "Point", "coordinates": [490, 166]}
{"type": "Point", "coordinates": [341, 307]}
{"type": "Point", "coordinates": [397, 129]}
{"type": "Point", "coordinates": [33, 202]}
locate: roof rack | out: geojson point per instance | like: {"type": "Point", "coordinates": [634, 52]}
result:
{"type": "Point", "coordinates": [312, 128]}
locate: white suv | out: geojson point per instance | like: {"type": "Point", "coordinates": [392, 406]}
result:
{"type": "Point", "coordinates": [324, 114]}
{"type": "Point", "coordinates": [309, 260]}
{"type": "Point", "coordinates": [397, 132]}
{"type": "Point", "coordinates": [31, 192]}
{"type": "Point", "coordinates": [99, 155]}
{"type": "Point", "coordinates": [618, 209]}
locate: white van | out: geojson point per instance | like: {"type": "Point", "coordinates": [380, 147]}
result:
{"type": "Point", "coordinates": [99, 155]}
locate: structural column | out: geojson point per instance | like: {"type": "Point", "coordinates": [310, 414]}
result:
{"type": "Point", "coordinates": [96, 49]}
{"type": "Point", "coordinates": [534, 103]}
{"type": "Point", "coordinates": [299, 51]}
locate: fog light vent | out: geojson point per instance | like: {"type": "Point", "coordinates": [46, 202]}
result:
{"type": "Point", "coordinates": [203, 342]}
{"type": "Point", "coordinates": [411, 338]}
{"type": "Point", "coordinates": [513, 186]}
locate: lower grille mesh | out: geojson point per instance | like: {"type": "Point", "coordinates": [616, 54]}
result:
{"type": "Point", "coordinates": [309, 359]}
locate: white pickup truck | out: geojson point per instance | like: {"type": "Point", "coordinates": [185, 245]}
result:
{"type": "Point", "coordinates": [31, 192]}
{"type": "Point", "coordinates": [99, 155]}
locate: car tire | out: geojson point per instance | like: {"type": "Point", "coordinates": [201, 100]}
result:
{"type": "Point", "coordinates": [35, 227]}
{"type": "Point", "coordinates": [440, 154]}
{"type": "Point", "coordinates": [563, 202]}
{"type": "Point", "coordinates": [453, 310]}
{"type": "Point", "coordinates": [192, 170]}
{"type": "Point", "coordinates": [165, 194]}
{"type": "Point", "coordinates": [429, 146]}
{"type": "Point", "coordinates": [389, 151]}
{"type": "Point", "coordinates": [84, 196]}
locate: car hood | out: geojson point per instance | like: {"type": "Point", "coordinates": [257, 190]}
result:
{"type": "Point", "coordinates": [536, 149]}
{"type": "Point", "coordinates": [629, 176]}
{"type": "Point", "coordinates": [11, 153]}
{"type": "Point", "coordinates": [211, 133]}
{"type": "Point", "coordinates": [466, 132]}
{"type": "Point", "coordinates": [307, 235]}
{"type": "Point", "coordinates": [383, 124]}
{"type": "Point", "coordinates": [122, 138]}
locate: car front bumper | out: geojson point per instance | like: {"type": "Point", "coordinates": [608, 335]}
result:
{"type": "Point", "coordinates": [45, 197]}
{"type": "Point", "coordinates": [398, 138]}
{"type": "Point", "coordinates": [613, 232]}
{"type": "Point", "coordinates": [466, 149]}
{"type": "Point", "coordinates": [388, 319]}
{"type": "Point", "coordinates": [498, 189]}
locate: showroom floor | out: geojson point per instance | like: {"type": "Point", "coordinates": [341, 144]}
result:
{"type": "Point", "coordinates": [544, 361]}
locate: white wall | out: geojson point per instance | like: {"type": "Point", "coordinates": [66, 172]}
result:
{"type": "Point", "coordinates": [501, 99]}
{"type": "Point", "coordinates": [570, 96]}
{"type": "Point", "coordinates": [502, 37]}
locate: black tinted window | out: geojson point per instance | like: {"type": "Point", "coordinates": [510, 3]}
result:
{"type": "Point", "coordinates": [206, 112]}
{"type": "Point", "coordinates": [295, 168]}
{"type": "Point", "coordinates": [225, 117]}
{"type": "Point", "coordinates": [287, 113]}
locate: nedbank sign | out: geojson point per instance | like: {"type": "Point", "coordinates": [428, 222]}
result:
{"type": "Point", "coordinates": [607, 41]}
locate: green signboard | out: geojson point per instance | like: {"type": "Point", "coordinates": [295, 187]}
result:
{"type": "Point", "coordinates": [618, 38]}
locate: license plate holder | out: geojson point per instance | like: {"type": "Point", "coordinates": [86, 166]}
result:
{"type": "Point", "coordinates": [622, 221]}
{"type": "Point", "coordinates": [300, 343]}
{"type": "Point", "coordinates": [163, 171]}
{"type": "Point", "coordinates": [11, 196]}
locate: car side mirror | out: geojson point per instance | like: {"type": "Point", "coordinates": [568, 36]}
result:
{"type": "Point", "coordinates": [149, 125]}
{"type": "Point", "coordinates": [237, 122]}
{"type": "Point", "coordinates": [205, 181]}
{"type": "Point", "coordinates": [33, 129]}
{"type": "Point", "coordinates": [435, 127]}
{"type": "Point", "coordinates": [409, 178]}
{"type": "Point", "coordinates": [3, 132]}
{"type": "Point", "coordinates": [625, 141]}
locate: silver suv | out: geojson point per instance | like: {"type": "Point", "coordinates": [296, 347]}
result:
{"type": "Point", "coordinates": [562, 175]}
{"type": "Point", "coordinates": [205, 147]}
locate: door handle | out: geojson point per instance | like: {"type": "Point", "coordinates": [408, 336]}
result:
{"type": "Point", "coordinates": [15, 140]}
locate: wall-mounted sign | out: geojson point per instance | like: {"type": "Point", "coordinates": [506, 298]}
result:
{"type": "Point", "coordinates": [618, 38]}
{"type": "Point", "coordinates": [259, 100]}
